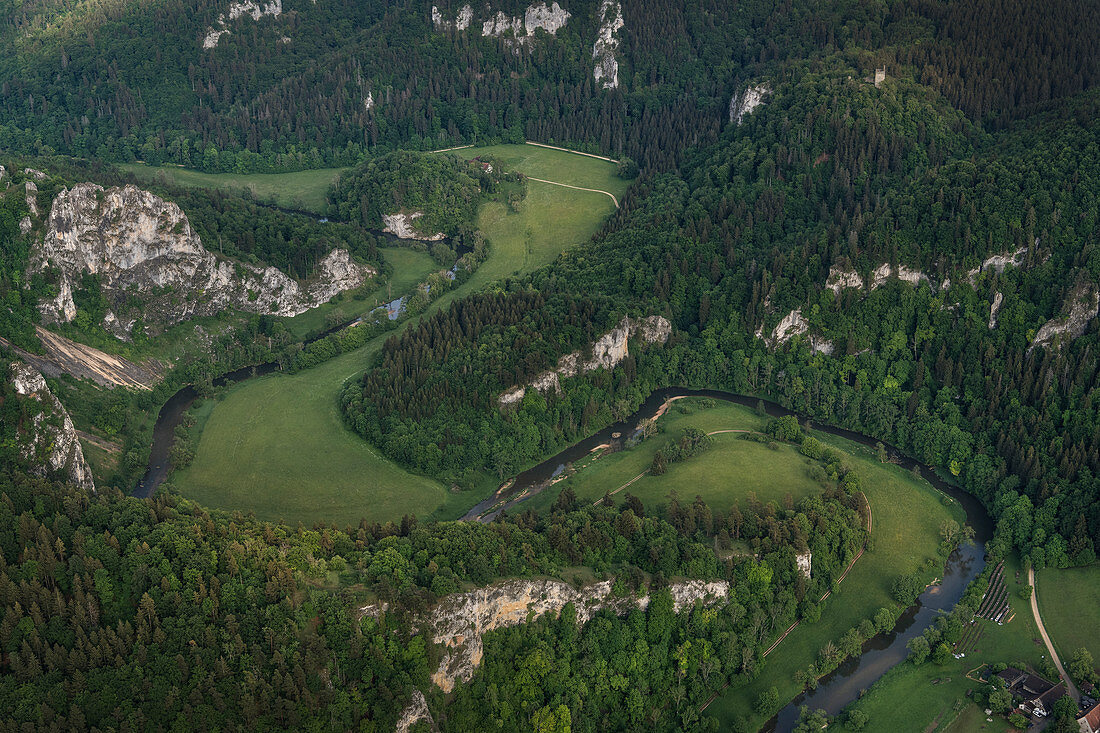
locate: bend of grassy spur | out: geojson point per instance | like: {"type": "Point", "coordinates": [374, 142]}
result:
{"type": "Point", "coordinates": [277, 445]}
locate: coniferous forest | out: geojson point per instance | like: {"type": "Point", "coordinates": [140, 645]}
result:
{"type": "Point", "coordinates": [916, 259]}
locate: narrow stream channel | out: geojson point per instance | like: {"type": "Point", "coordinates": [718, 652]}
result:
{"type": "Point", "coordinates": [837, 689]}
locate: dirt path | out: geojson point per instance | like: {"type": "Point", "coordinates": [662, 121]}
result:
{"type": "Point", "coordinates": [447, 150]}
{"type": "Point", "coordinates": [1046, 639]}
{"type": "Point", "coordinates": [574, 152]}
{"type": "Point", "coordinates": [577, 188]}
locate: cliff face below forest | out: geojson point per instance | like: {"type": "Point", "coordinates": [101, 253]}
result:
{"type": "Point", "coordinates": [150, 264]}
{"type": "Point", "coordinates": [1080, 308]}
{"type": "Point", "coordinates": [460, 619]}
{"type": "Point", "coordinates": [607, 352]}
{"type": "Point", "coordinates": [47, 438]}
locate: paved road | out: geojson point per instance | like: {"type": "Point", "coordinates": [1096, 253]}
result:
{"type": "Point", "coordinates": [1046, 639]}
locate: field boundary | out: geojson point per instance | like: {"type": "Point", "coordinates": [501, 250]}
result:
{"type": "Point", "coordinates": [567, 150]}
{"type": "Point", "coordinates": [577, 188]}
{"type": "Point", "coordinates": [1046, 639]}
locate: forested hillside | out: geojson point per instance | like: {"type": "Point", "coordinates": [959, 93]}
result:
{"type": "Point", "coordinates": [322, 84]}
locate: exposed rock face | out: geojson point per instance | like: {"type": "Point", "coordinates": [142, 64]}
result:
{"type": "Point", "coordinates": [997, 263]}
{"type": "Point", "coordinates": [884, 272]}
{"type": "Point", "coordinates": [236, 9]}
{"type": "Point", "coordinates": [401, 226]}
{"type": "Point", "coordinates": [35, 174]}
{"type": "Point", "coordinates": [841, 277]}
{"type": "Point", "coordinates": [744, 102]}
{"type": "Point", "coordinates": [538, 15]}
{"type": "Point", "coordinates": [414, 713]}
{"type": "Point", "coordinates": [1083, 304]}
{"type": "Point", "coordinates": [606, 73]}
{"type": "Point", "coordinates": [996, 306]}
{"type": "Point", "coordinates": [32, 197]}
{"type": "Point", "coordinates": [463, 18]}
{"type": "Point", "coordinates": [794, 324]}
{"type": "Point", "coordinates": [460, 619]}
{"type": "Point", "coordinates": [49, 442]}
{"type": "Point", "coordinates": [607, 352]}
{"type": "Point", "coordinates": [137, 243]}
{"type": "Point", "coordinates": [804, 563]}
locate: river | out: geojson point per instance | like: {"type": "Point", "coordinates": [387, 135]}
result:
{"type": "Point", "coordinates": [837, 689]}
{"type": "Point", "coordinates": [850, 679]}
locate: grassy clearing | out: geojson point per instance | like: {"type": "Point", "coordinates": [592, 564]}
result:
{"type": "Point", "coordinates": [933, 697]}
{"type": "Point", "coordinates": [302, 190]}
{"type": "Point", "coordinates": [907, 516]}
{"type": "Point", "coordinates": [726, 472]}
{"type": "Point", "coordinates": [277, 446]}
{"type": "Point", "coordinates": [1069, 601]}
{"type": "Point", "coordinates": [554, 165]}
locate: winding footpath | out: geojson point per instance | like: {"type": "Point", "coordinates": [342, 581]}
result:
{"type": "Point", "coordinates": [577, 188]}
{"type": "Point", "coordinates": [1046, 639]}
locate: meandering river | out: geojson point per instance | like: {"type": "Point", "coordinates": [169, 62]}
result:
{"type": "Point", "coordinates": [836, 689]}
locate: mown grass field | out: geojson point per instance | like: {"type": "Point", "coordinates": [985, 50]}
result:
{"type": "Point", "coordinates": [906, 534]}
{"type": "Point", "coordinates": [277, 445]}
{"type": "Point", "coordinates": [1069, 601]}
{"type": "Point", "coordinates": [303, 190]}
{"type": "Point", "coordinates": [726, 472]}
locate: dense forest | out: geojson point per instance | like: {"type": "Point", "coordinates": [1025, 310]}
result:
{"type": "Point", "coordinates": [324, 84]}
{"type": "Point", "coordinates": [443, 191]}
{"type": "Point", "coordinates": [750, 230]}
{"type": "Point", "coordinates": [136, 614]}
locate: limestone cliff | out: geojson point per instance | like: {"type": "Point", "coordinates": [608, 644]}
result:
{"type": "Point", "coordinates": [841, 277]}
{"type": "Point", "coordinates": [460, 619]}
{"type": "Point", "coordinates": [550, 18]}
{"type": "Point", "coordinates": [884, 272]}
{"type": "Point", "coordinates": [463, 17]}
{"type": "Point", "coordinates": [142, 248]}
{"type": "Point", "coordinates": [238, 8]}
{"type": "Point", "coordinates": [48, 439]}
{"type": "Point", "coordinates": [606, 73]}
{"type": "Point", "coordinates": [742, 103]}
{"type": "Point", "coordinates": [403, 226]}
{"type": "Point", "coordinates": [794, 324]}
{"type": "Point", "coordinates": [607, 352]}
{"type": "Point", "coordinates": [1081, 307]}
{"type": "Point", "coordinates": [998, 262]}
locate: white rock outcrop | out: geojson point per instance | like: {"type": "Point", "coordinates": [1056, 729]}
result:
{"type": "Point", "coordinates": [35, 174]}
{"type": "Point", "coordinates": [884, 272]}
{"type": "Point", "coordinates": [804, 561]}
{"type": "Point", "coordinates": [401, 226]}
{"type": "Point", "coordinates": [459, 620]}
{"type": "Point", "coordinates": [550, 18]}
{"type": "Point", "coordinates": [994, 308]}
{"type": "Point", "coordinates": [794, 324]}
{"type": "Point", "coordinates": [606, 73]}
{"type": "Point", "coordinates": [607, 352]}
{"type": "Point", "coordinates": [414, 713]}
{"type": "Point", "coordinates": [997, 263]}
{"type": "Point", "coordinates": [48, 440]}
{"type": "Point", "coordinates": [32, 197]}
{"type": "Point", "coordinates": [1082, 305]}
{"type": "Point", "coordinates": [841, 277]}
{"type": "Point", "coordinates": [137, 244]}
{"type": "Point", "coordinates": [237, 9]}
{"type": "Point", "coordinates": [742, 103]}
{"type": "Point", "coordinates": [463, 17]}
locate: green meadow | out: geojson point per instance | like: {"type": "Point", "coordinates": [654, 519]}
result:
{"type": "Point", "coordinates": [1069, 601]}
{"type": "Point", "coordinates": [277, 445]}
{"type": "Point", "coordinates": [303, 190]}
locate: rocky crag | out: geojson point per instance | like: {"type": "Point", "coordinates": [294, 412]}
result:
{"type": "Point", "coordinates": [743, 103]}
{"type": "Point", "coordinates": [48, 440]}
{"type": "Point", "coordinates": [151, 264]}
{"type": "Point", "coordinates": [550, 18]}
{"type": "Point", "coordinates": [254, 8]}
{"type": "Point", "coordinates": [606, 73]}
{"type": "Point", "coordinates": [459, 620]}
{"type": "Point", "coordinates": [403, 226]}
{"type": "Point", "coordinates": [607, 352]}
{"type": "Point", "coordinates": [1081, 306]}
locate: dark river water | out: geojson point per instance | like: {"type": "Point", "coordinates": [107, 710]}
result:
{"type": "Point", "coordinates": [840, 687]}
